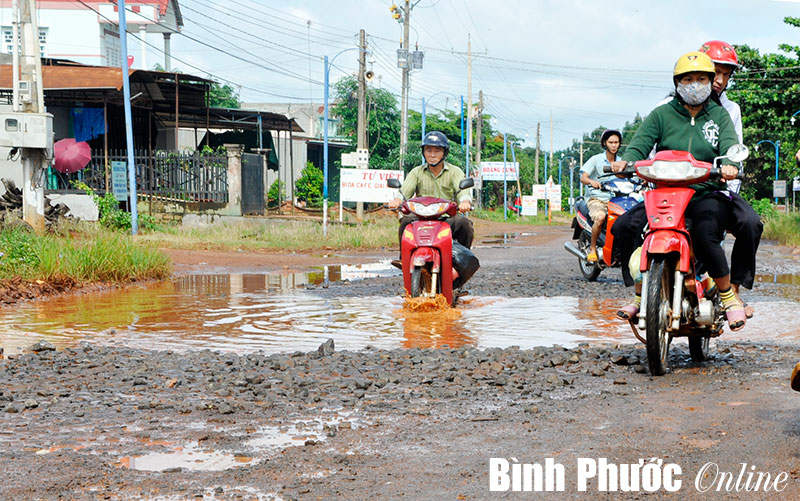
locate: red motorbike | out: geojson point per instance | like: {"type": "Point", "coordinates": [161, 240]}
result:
{"type": "Point", "coordinates": [427, 245]}
{"type": "Point", "coordinates": [674, 301]}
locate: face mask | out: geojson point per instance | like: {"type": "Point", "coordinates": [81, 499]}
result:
{"type": "Point", "coordinates": [694, 93]}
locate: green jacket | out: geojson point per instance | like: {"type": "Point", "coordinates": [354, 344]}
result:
{"type": "Point", "coordinates": [670, 127]}
{"type": "Point", "coordinates": [422, 183]}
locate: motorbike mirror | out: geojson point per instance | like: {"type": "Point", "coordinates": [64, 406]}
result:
{"type": "Point", "coordinates": [737, 153]}
{"type": "Point", "coordinates": [466, 183]}
{"type": "Point", "coordinates": [393, 183]}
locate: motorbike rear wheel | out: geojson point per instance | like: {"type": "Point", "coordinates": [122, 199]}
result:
{"type": "Point", "coordinates": [659, 288]}
{"type": "Point", "coordinates": [590, 271]}
{"type": "Point", "coordinates": [698, 348]}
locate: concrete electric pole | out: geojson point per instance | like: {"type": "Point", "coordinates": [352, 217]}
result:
{"type": "Point", "coordinates": [469, 99]}
{"type": "Point", "coordinates": [361, 133]}
{"type": "Point", "coordinates": [404, 97]}
{"type": "Point", "coordinates": [29, 98]}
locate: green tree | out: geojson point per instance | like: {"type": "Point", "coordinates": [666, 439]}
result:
{"type": "Point", "coordinates": [383, 120]}
{"type": "Point", "coordinates": [768, 90]}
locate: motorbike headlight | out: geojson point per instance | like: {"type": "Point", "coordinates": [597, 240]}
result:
{"type": "Point", "coordinates": [661, 170]}
{"type": "Point", "coordinates": [428, 210]}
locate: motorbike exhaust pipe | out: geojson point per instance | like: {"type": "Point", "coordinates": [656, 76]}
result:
{"type": "Point", "coordinates": [570, 247]}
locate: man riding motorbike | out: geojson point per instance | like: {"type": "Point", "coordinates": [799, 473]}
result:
{"type": "Point", "coordinates": [747, 224]}
{"type": "Point", "coordinates": [437, 178]}
{"type": "Point", "coordinates": [597, 199]}
{"type": "Point", "coordinates": [691, 122]}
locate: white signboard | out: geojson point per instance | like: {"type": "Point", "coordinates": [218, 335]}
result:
{"type": "Point", "coordinates": [530, 207]}
{"type": "Point", "coordinates": [493, 171]}
{"type": "Point", "coordinates": [796, 184]}
{"type": "Point", "coordinates": [779, 188]}
{"type": "Point", "coordinates": [548, 191]}
{"type": "Point", "coordinates": [368, 185]}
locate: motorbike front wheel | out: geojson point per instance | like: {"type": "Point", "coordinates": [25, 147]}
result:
{"type": "Point", "coordinates": [590, 271]}
{"type": "Point", "coordinates": [420, 281]}
{"type": "Point", "coordinates": [698, 348]}
{"type": "Point", "coordinates": [659, 288]}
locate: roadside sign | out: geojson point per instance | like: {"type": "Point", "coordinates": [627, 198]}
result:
{"type": "Point", "coordinates": [368, 185]}
{"type": "Point", "coordinates": [796, 184]}
{"type": "Point", "coordinates": [493, 171]}
{"type": "Point", "coordinates": [529, 206]}
{"type": "Point", "coordinates": [119, 179]}
{"type": "Point", "coordinates": [779, 188]}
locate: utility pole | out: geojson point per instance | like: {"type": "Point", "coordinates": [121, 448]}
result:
{"type": "Point", "coordinates": [361, 133]}
{"type": "Point", "coordinates": [551, 141]}
{"type": "Point", "coordinates": [480, 143]}
{"type": "Point", "coordinates": [580, 185]}
{"type": "Point", "coordinates": [404, 97]}
{"type": "Point", "coordinates": [538, 149]}
{"type": "Point", "coordinates": [469, 99]}
{"type": "Point", "coordinates": [30, 74]}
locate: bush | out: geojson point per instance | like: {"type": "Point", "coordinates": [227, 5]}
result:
{"type": "Point", "coordinates": [274, 190]}
{"type": "Point", "coordinates": [309, 186]}
{"type": "Point", "coordinates": [764, 208]}
{"type": "Point", "coordinates": [110, 215]}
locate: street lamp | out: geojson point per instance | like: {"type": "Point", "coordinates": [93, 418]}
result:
{"type": "Point", "coordinates": [792, 120]}
{"type": "Point", "coordinates": [777, 145]}
{"type": "Point", "coordinates": [325, 142]}
{"type": "Point", "coordinates": [423, 108]}
{"type": "Point", "coordinates": [571, 164]}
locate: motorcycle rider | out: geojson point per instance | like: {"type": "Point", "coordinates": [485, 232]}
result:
{"type": "Point", "coordinates": [597, 200]}
{"type": "Point", "coordinates": [691, 122]}
{"type": "Point", "coordinates": [747, 224]}
{"type": "Point", "coordinates": [437, 178]}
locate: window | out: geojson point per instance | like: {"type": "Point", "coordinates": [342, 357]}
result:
{"type": "Point", "coordinates": [8, 41]}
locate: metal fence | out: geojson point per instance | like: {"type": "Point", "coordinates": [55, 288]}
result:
{"type": "Point", "coordinates": [183, 176]}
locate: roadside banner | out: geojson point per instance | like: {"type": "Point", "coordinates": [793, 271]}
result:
{"type": "Point", "coordinates": [493, 171]}
{"type": "Point", "coordinates": [529, 205]}
{"type": "Point", "coordinates": [368, 185]}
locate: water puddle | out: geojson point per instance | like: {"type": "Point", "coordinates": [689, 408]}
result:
{"type": "Point", "coordinates": [265, 442]}
{"type": "Point", "coordinates": [503, 240]}
{"type": "Point", "coordinates": [267, 312]}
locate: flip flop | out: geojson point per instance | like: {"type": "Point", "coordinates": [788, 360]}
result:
{"type": "Point", "coordinates": [591, 257]}
{"type": "Point", "coordinates": [736, 317]}
{"type": "Point", "coordinates": [628, 312]}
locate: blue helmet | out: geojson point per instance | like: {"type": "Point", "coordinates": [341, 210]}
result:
{"type": "Point", "coordinates": [436, 138]}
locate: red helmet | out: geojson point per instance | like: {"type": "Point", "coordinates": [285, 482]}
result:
{"type": "Point", "coordinates": [721, 53]}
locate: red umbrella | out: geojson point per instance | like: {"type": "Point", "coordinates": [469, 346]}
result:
{"type": "Point", "coordinates": [71, 156]}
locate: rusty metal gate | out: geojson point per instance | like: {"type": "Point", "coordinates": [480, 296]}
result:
{"type": "Point", "coordinates": [252, 184]}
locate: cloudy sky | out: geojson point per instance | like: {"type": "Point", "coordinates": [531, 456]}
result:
{"type": "Point", "coordinates": [586, 62]}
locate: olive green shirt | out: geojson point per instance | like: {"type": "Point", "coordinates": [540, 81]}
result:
{"type": "Point", "coordinates": [422, 183]}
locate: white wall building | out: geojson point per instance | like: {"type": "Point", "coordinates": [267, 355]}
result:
{"type": "Point", "coordinates": [89, 33]}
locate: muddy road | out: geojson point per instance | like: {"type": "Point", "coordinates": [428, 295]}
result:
{"type": "Point", "coordinates": [99, 421]}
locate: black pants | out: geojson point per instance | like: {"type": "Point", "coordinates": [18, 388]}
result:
{"type": "Point", "coordinates": [459, 225]}
{"type": "Point", "coordinates": [708, 219]}
{"type": "Point", "coordinates": [712, 216]}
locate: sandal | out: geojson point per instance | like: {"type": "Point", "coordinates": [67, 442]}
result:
{"type": "Point", "coordinates": [628, 312]}
{"type": "Point", "coordinates": [748, 311]}
{"type": "Point", "coordinates": [796, 378]}
{"type": "Point", "coordinates": [591, 257]}
{"type": "Point", "coordinates": [736, 317]}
